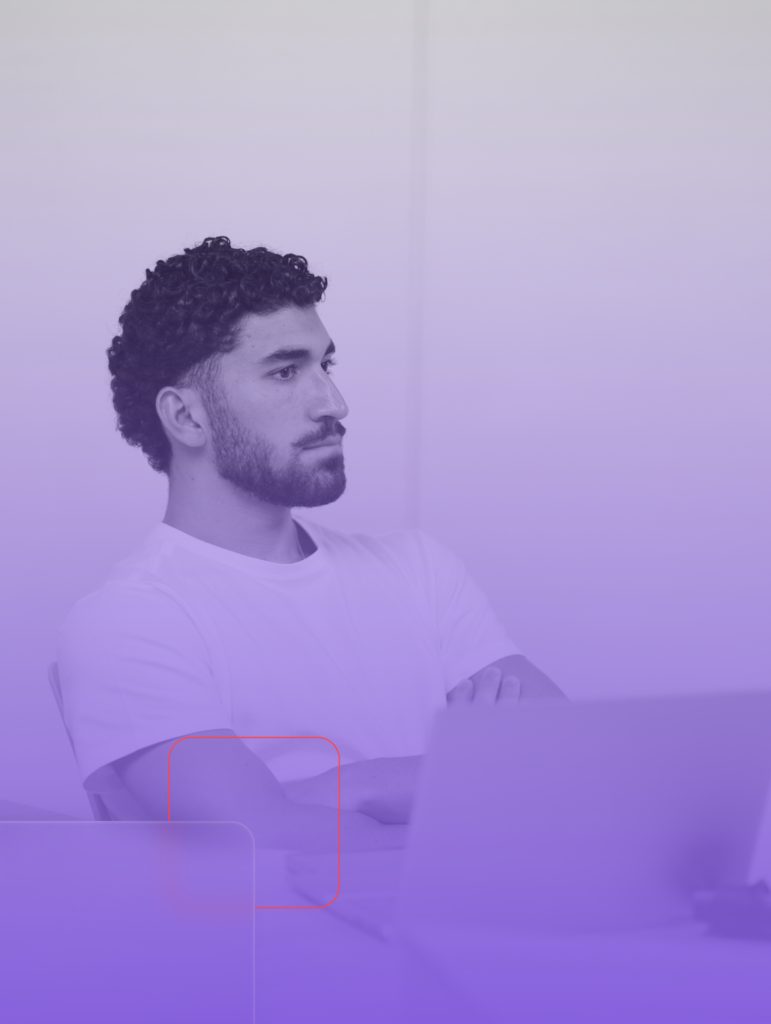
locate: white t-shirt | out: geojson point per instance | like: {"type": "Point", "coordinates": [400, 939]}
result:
{"type": "Point", "coordinates": [358, 644]}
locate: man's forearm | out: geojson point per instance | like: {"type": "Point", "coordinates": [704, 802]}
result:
{"type": "Point", "coordinates": [314, 829]}
{"type": "Point", "coordinates": [382, 788]}
{"type": "Point", "coordinates": [217, 778]}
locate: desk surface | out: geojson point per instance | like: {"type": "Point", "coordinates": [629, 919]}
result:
{"type": "Point", "coordinates": [310, 962]}
{"type": "Point", "coordinates": [310, 965]}
{"type": "Point", "coordinates": [667, 976]}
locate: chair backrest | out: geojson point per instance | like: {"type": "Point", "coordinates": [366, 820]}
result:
{"type": "Point", "coordinates": [98, 806]}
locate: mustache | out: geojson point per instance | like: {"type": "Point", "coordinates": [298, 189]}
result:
{"type": "Point", "coordinates": [332, 429]}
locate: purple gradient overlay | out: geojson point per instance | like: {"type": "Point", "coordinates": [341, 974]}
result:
{"type": "Point", "coordinates": [127, 921]}
{"type": "Point", "coordinates": [545, 226]}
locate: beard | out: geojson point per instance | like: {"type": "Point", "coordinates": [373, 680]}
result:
{"type": "Point", "coordinates": [252, 465]}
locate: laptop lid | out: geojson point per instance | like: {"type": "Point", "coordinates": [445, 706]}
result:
{"type": "Point", "coordinates": [587, 815]}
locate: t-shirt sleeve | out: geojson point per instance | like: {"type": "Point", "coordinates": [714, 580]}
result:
{"type": "Point", "coordinates": [134, 670]}
{"type": "Point", "coordinates": [470, 634]}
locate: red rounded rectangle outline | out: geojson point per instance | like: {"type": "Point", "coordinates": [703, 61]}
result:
{"type": "Point", "coordinates": [339, 814]}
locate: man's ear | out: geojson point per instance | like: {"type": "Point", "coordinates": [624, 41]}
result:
{"type": "Point", "coordinates": [182, 416]}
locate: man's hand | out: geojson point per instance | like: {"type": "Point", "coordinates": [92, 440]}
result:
{"type": "Point", "coordinates": [383, 788]}
{"type": "Point", "coordinates": [491, 686]}
{"type": "Point", "coordinates": [505, 681]}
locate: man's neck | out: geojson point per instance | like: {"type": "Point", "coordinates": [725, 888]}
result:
{"type": "Point", "coordinates": [239, 523]}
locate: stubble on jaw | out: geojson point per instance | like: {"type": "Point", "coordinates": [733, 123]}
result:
{"type": "Point", "coordinates": [250, 464]}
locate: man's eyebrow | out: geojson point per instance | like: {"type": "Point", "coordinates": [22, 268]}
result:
{"type": "Point", "coordinates": [281, 355]}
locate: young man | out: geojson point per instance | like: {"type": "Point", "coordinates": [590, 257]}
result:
{"type": "Point", "coordinates": [236, 619]}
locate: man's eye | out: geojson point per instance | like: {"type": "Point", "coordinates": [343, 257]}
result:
{"type": "Point", "coordinates": [286, 372]}
{"type": "Point", "coordinates": [328, 364]}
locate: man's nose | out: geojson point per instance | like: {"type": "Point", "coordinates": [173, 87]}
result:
{"type": "Point", "coordinates": [328, 401]}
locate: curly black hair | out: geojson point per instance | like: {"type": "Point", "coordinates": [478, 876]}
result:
{"type": "Point", "coordinates": [185, 312]}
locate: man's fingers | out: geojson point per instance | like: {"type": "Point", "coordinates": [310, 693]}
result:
{"type": "Point", "coordinates": [486, 688]}
{"type": "Point", "coordinates": [511, 689]}
{"type": "Point", "coordinates": [461, 694]}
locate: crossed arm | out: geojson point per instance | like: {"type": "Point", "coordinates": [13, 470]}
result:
{"type": "Point", "coordinates": [215, 780]}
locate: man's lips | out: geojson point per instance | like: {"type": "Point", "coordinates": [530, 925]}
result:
{"type": "Point", "coordinates": [328, 442]}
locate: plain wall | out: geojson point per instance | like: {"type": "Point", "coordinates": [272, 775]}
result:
{"type": "Point", "coordinates": [595, 398]}
{"type": "Point", "coordinates": [585, 420]}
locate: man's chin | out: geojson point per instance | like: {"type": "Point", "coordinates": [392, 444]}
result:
{"type": "Point", "coordinates": [298, 488]}
{"type": "Point", "coordinates": [324, 493]}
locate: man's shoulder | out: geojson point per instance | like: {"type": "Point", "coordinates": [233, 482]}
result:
{"type": "Point", "coordinates": [134, 590]}
{"type": "Point", "coordinates": [121, 602]}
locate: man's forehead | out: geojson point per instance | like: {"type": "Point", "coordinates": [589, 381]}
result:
{"type": "Point", "coordinates": [289, 328]}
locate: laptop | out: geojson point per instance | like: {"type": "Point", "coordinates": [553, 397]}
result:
{"type": "Point", "coordinates": [571, 817]}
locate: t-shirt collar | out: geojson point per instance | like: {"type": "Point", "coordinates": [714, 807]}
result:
{"type": "Point", "coordinates": [247, 563]}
